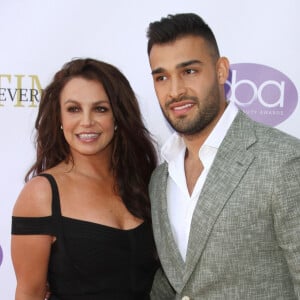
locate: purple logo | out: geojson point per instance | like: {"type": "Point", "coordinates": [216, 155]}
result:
{"type": "Point", "coordinates": [265, 94]}
{"type": "Point", "coordinates": [1, 255]}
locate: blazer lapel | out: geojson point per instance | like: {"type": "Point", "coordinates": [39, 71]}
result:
{"type": "Point", "coordinates": [229, 166]}
{"type": "Point", "coordinates": [171, 260]}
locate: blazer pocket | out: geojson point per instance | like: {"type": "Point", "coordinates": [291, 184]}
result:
{"type": "Point", "coordinates": [245, 221]}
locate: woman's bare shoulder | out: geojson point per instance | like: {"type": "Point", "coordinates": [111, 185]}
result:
{"type": "Point", "coordinates": [34, 199]}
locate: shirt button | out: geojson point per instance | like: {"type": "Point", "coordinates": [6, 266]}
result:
{"type": "Point", "coordinates": [185, 298]}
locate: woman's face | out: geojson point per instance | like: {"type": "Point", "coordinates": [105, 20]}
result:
{"type": "Point", "coordinates": [87, 118]}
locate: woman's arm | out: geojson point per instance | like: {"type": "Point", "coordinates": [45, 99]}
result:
{"type": "Point", "coordinates": [30, 253]}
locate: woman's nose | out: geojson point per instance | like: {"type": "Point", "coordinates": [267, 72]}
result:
{"type": "Point", "coordinates": [87, 119]}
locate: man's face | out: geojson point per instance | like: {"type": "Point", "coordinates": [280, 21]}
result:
{"type": "Point", "coordinates": [187, 83]}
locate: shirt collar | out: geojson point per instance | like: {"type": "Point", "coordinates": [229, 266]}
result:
{"type": "Point", "coordinates": [217, 135]}
{"type": "Point", "coordinates": [174, 146]}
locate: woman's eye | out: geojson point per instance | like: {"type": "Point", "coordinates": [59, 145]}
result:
{"type": "Point", "coordinates": [73, 109]}
{"type": "Point", "coordinates": [101, 109]}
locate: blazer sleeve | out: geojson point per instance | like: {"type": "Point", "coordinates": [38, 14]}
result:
{"type": "Point", "coordinates": [286, 212]}
{"type": "Point", "coordinates": [161, 288]}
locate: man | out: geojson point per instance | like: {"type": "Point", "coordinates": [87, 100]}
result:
{"type": "Point", "coordinates": [226, 201]}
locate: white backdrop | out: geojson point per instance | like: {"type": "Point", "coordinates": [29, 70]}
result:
{"type": "Point", "coordinates": [37, 37]}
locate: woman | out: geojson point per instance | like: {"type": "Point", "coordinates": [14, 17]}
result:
{"type": "Point", "coordinates": [82, 221]}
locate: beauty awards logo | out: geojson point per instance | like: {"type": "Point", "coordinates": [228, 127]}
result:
{"type": "Point", "coordinates": [265, 94]}
{"type": "Point", "coordinates": [20, 90]}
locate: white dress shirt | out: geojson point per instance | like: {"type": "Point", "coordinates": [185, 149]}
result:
{"type": "Point", "coordinates": [181, 204]}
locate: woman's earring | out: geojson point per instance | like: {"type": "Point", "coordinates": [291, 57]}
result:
{"type": "Point", "coordinates": [61, 127]}
{"type": "Point", "coordinates": [116, 127]}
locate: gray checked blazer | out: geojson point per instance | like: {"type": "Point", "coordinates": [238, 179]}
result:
{"type": "Point", "coordinates": [244, 240]}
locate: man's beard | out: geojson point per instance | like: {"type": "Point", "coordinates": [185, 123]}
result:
{"type": "Point", "coordinates": [205, 115]}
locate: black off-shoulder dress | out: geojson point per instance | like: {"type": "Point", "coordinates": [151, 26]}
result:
{"type": "Point", "coordinates": [90, 261]}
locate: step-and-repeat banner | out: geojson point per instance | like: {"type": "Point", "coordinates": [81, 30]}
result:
{"type": "Point", "coordinates": [260, 38]}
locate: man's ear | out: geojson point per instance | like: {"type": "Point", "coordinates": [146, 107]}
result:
{"type": "Point", "coordinates": [222, 69]}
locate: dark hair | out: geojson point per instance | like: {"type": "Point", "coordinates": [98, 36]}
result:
{"type": "Point", "coordinates": [133, 156]}
{"type": "Point", "coordinates": [172, 27]}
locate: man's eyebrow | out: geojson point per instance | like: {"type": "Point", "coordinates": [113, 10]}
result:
{"type": "Point", "coordinates": [188, 63]}
{"type": "Point", "coordinates": [157, 71]}
{"type": "Point", "coordinates": [179, 66]}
